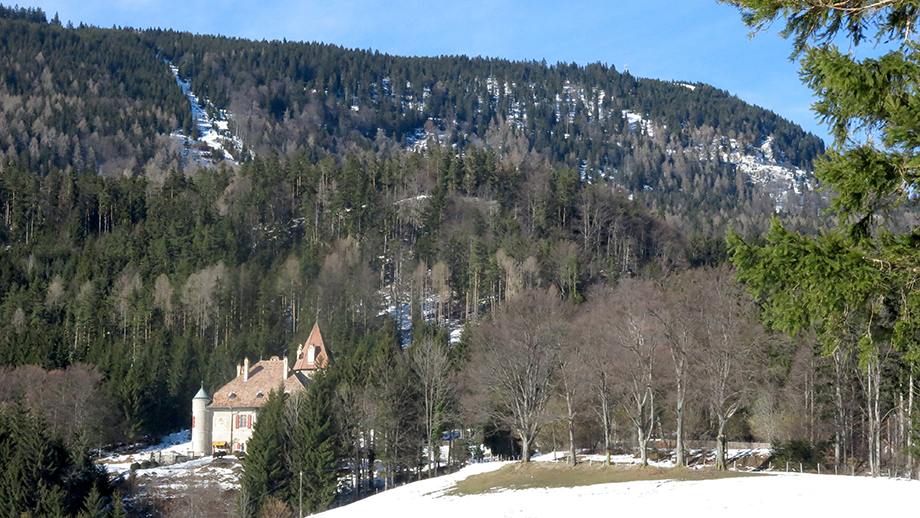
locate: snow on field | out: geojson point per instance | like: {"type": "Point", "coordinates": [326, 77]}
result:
{"type": "Point", "coordinates": [224, 471]}
{"type": "Point", "coordinates": [175, 443]}
{"type": "Point", "coordinates": [731, 455]}
{"type": "Point", "coordinates": [766, 495]}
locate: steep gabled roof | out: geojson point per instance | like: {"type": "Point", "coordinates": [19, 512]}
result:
{"type": "Point", "coordinates": [321, 356]}
{"type": "Point", "coordinates": [265, 376]}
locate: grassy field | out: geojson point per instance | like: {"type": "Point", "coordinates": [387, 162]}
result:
{"type": "Point", "coordinates": [546, 474]}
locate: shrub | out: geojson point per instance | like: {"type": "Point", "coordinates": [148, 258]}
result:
{"type": "Point", "coordinates": [800, 451]}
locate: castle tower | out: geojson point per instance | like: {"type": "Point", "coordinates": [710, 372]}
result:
{"type": "Point", "coordinates": [201, 424]}
{"type": "Point", "coordinates": [312, 355]}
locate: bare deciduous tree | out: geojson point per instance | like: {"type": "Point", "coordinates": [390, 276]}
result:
{"type": "Point", "coordinates": [71, 400]}
{"type": "Point", "coordinates": [199, 295]}
{"type": "Point", "coordinates": [677, 315]}
{"type": "Point", "coordinates": [599, 357]}
{"type": "Point", "coordinates": [727, 351]}
{"type": "Point", "coordinates": [519, 353]}
{"type": "Point", "coordinates": [431, 363]}
{"type": "Point", "coordinates": [290, 285]}
{"type": "Point", "coordinates": [637, 334]}
{"type": "Point", "coordinates": [573, 385]}
{"type": "Point", "coordinates": [162, 297]}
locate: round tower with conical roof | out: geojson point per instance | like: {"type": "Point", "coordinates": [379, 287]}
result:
{"type": "Point", "coordinates": [201, 424]}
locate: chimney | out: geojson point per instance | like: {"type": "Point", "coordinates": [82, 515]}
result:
{"type": "Point", "coordinates": [311, 354]}
{"type": "Point", "coordinates": [246, 369]}
{"type": "Point", "coordinates": [284, 369]}
{"type": "Point", "coordinates": [239, 370]}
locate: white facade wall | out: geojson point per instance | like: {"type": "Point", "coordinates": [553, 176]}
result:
{"type": "Point", "coordinates": [232, 426]}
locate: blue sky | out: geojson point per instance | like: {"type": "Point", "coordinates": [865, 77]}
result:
{"type": "Point", "coordinates": [687, 40]}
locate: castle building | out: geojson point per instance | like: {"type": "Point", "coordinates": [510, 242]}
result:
{"type": "Point", "coordinates": [225, 421]}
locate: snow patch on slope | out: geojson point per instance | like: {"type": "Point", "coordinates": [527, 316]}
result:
{"type": "Point", "coordinates": [639, 123]}
{"type": "Point", "coordinates": [214, 132]}
{"type": "Point", "coordinates": [400, 308]}
{"type": "Point", "coordinates": [763, 169]}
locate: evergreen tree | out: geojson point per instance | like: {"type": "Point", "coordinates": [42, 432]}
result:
{"type": "Point", "coordinates": [93, 506]}
{"type": "Point", "coordinates": [292, 453]}
{"type": "Point", "coordinates": [856, 283]}
{"type": "Point", "coordinates": [264, 470]}
{"type": "Point", "coordinates": [40, 475]}
{"type": "Point", "coordinates": [118, 507]}
{"type": "Point", "coordinates": [312, 458]}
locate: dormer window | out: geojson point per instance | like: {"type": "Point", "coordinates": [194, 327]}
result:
{"type": "Point", "coordinates": [259, 395]}
{"type": "Point", "coordinates": [232, 395]}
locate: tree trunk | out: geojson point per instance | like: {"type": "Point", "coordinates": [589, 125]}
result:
{"type": "Point", "coordinates": [643, 446]}
{"type": "Point", "coordinates": [910, 426]}
{"type": "Point", "coordinates": [606, 419]}
{"type": "Point", "coordinates": [838, 413]}
{"type": "Point", "coordinates": [875, 426]}
{"type": "Point", "coordinates": [525, 449]}
{"type": "Point", "coordinates": [679, 447]}
{"type": "Point", "coordinates": [720, 445]}
{"type": "Point", "coordinates": [571, 442]}
{"type": "Point", "coordinates": [571, 423]}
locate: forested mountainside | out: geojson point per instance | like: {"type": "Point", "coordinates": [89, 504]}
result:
{"type": "Point", "coordinates": [105, 100]}
{"type": "Point", "coordinates": [366, 184]}
{"type": "Point", "coordinates": [172, 203]}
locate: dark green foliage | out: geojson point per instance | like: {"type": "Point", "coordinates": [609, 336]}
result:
{"type": "Point", "coordinates": [84, 98]}
{"type": "Point", "coordinates": [707, 251]}
{"type": "Point", "coordinates": [41, 476]}
{"type": "Point", "coordinates": [162, 285]}
{"type": "Point", "coordinates": [816, 22]}
{"type": "Point", "coordinates": [294, 444]}
{"type": "Point", "coordinates": [265, 471]}
{"type": "Point", "coordinates": [104, 100]}
{"type": "Point", "coordinates": [855, 284]}
{"type": "Point", "coordinates": [93, 506]}
{"type": "Point", "coordinates": [30, 14]}
{"type": "Point", "coordinates": [799, 451]}
{"type": "Point", "coordinates": [312, 448]}
{"type": "Point", "coordinates": [112, 255]}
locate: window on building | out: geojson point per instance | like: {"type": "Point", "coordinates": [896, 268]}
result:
{"type": "Point", "coordinates": [244, 421]}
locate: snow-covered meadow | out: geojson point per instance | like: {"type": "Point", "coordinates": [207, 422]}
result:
{"type": "Point", "coordinates": [774, 494]}
{"type": "Point", "coordinates": [768, 494]}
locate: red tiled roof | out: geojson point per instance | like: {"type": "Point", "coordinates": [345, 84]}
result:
{"type": "Point", "coordinates": [321, 356]}
{"type": "Point", "coordinates": [264, 377]}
